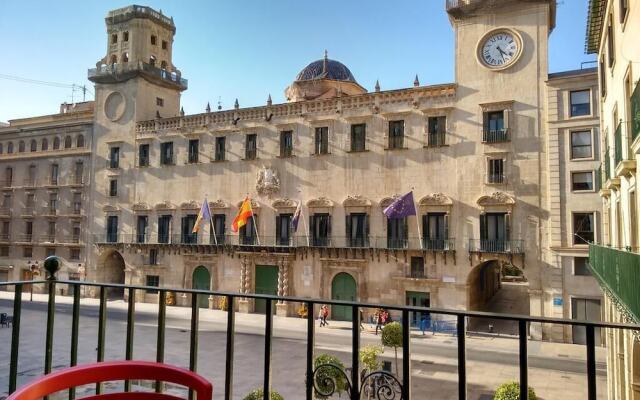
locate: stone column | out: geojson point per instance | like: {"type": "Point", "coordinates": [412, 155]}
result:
{"type": "Point", "coordinates": [283, 287]}
{"type": "Point", "coordinates": [245, 279]}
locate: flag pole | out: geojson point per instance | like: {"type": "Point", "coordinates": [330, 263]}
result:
{"type": "Point", "coordinates": [417, 220]}
{"type": "Point", "coordinates": [213, 227]}
{"type": "Point", "coordinates": [306, 228]}
{"type": "Point", "coordinates": [253, 218]}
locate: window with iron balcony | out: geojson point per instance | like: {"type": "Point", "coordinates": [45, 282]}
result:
{"type": "Point", "coordinates": [496, 126]}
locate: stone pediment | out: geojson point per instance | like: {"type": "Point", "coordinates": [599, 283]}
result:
{"type": "Point", "coordinates": [109, 208]}
{"type": "Point", "coordinates": [356, 201]}
{"type": "Point", "coordinates": [190, 205]}
{"type": "Point", "coordinates": [165, 205]}
{"type": "Point", "coordinates": [141, 206]}
{"type": "Point", "coordinates": [218, 204]}
{"type": "Point", "coordinates": [284, 203]}
{"type": "Point", "coordinates": [436, 199]}
{"type": "Point", "coordinates": [386, 201]}
{"type": "Point", "coordinates": [320, 202]}
{"type": "Point", "coordinates": [496, 199]}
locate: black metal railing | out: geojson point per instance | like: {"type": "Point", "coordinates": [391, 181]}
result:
{"type": "Point", "coordinates": [495, 136]}
{"type": "Point", "coordinates": [436, 139]}
{"type": "Point", "coordinates": [319, 379]}
{"type": "Point", "coordinates": [496, 246]}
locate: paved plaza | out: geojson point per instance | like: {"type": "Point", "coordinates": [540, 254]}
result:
{"type": "Point", "coordinates": [555, 370]}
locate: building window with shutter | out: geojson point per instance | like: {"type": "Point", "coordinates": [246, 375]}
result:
{"type": "Point", "coordinates": [188, 222]}
{"type": "Point", "coordinates": [219, 232]}
{"type": "Point", "coordinates": [358, 137]}
{"type": "Point", "coordinates": [495, 171]}
{"type": "Point", "coordinates": [611, 50]}
{"type": "Point", "coordinates": [250, 149]}
{"type": "Point", "coordinates": [286, 144]}
{"type": "Point", "coordinates": [494, 232]}
{"type": "Point", "coordinates": [496, 126]}
{"type": "Point", "coordinates": [322, 140]}
{"type": "Point", "coordinates": [320, 229]}
{"type": "Point", "coordinates": [112, 229]}
{"type": "Point", "coordinates": [114, 157]}
{"type": "Point", "coordinates": [436, 131]}
{"type": "Point", "coordinates": [153, 281]}
{"type": "Point", "coordinates": [164, 229]}
{"type": "Point", "coordinates": [153, 256]}
{"type": "Point", "coordinates": [166, 153]}
{"type": "Point", "coordinates": [283, 230]}
{"type": "Point", "coordinates": [417, 268]}
{"type": "Point", "coordinates": [357, 230]}
{"type": "Point", "coordinates": [194, 145]}
{"type": "Point", "coordinates": [113, 188]}
{"type": "Point", "coordinates": [141, 229]}
{"type": "Point", "coordinates": [396, 134]}
{"type": "Point", "coordinates": [435, 231]}
{"type": "Point", "coordinates": [220, 148]}
{"type": "Point", "coordinates": [397, 233]}
{"type": "Point", "coordinates": [143, 155]}
{"type": "Point", "coordinates": [247, 232]}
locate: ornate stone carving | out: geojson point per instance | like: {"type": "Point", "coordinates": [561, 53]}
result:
{"type": "Point", "coordinates": [435, 199]}
{"type": "Point", "coordinates": [284, 203]}
{"type": "Point", "coordinates": [320, 202]}
{"type": "Point", "coordinates": [218, 204]}
{"type": "Point", "coordinates": [165, 205]}
{"type": "Point", "coordinates": [496, 199]}
{"type": "Point", "coordinates": [356, 201]}
{"type": "Point", "coordinates": [254, 204]}
{"type": "Point", "coordinates": [385, 202]}
{"type": "Point", "coordinates": [110, 208]}
{"type": "Point", "coordinates": [267, 181]}
{"type": "Point", "coordinates": [190, 205]}
{"type": "Point", "coordinates": [141, 206]}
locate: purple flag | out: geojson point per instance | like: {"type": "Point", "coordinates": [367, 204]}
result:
{"type": "Point", "coordinates": [401, 207]}
{"type": "Point", "coordinates": [296, 217]}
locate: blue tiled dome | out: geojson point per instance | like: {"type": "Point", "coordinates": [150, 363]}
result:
{"type": "Point", "coordinates": [333, 70]}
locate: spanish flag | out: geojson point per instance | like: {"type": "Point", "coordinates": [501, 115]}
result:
{"type": "Point", "coordinates": [244, 213]}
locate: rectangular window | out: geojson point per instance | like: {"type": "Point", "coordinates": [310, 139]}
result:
{"type": "Point", "coordinates": [74, 254]}
{"type": "Point", "coordinates": [283, 229]}
{"type": "Point", "coordinates": [4, 235]}
{"type": "Point", "coordinates": [153, 40]}
{"type": "Point", "coordinates": [320, 227]}
{"type": "Point", "coordinates": [153, 281]}
{"type": "Point", "coordinates": [188, 222]}
{"type": "Point", "coordinates": [582, 181]}
{"type": "Point", "coordinates": [581, 266]}
{"type": "Point", "coordinates": [166, 153]}
{"type": "Point", "coordinates": [30, 201]}
{"type": "Point", "coordinates": [220, 148]}
{"type": "Point", "coordinates": [580, 102]}
{"type": "Point", "coordinates": [113, 187]}
{"type": "Point", "coordinates": [248, 232]}
{"type": "Point", "coordinates": [164, 45]}
{"type": "Point", "coordinates": [495, 127]}
{"type": "Point", "coordinates": [436, 131]}
{"type": "Point", "coordinates": [77, 203]}
{"type": "Point", "coordinates": [27, 252]}
{"type": "Point", "coordinates": [125, 36]}
{"type": "Point", "coordinates": [434, 231]}
{"type": "Point", "coordinates": [51, 231]}
{"type": "Point", "coordinates": [153, 256]}
{"type": "Point", "coordinates": [28, 228]}
{"type": "Point", "coordinates": [75, 232]}
{"type": "Point", "coordinates": [583, 228]}
{"type": "Point", "coordinates": [4, 251]}
{"type": "Point", "coordinates": [397, 233]}
{"type": "Point", "coordinates": [143, 155]}
{"type": "Point", "coordinates": [112, 229]}
{"type": "Point", "coordinates": [357, 225]}
{"type": "Point", "coordinates": [159, 102]}
{"type": "Point", "coordinates": [603, 79]}
{"type": "Point", "coordinates": [219, 225]}
{"type": "Point", "coordinates": [250, 149]}
{"type": "Point", "coordinates": [495, 172]}
{"type": "Point", "coordinates": [286, 144]}
{"type": "Point", "coordinates": [142, 226]}
{"type": "Point", "coordinates": [8, 175]}
{"type": "Point", "coordinates": [54, 174]}
{"type": "Point", "coordinates": [194, 145]}
{"type": "Point", "coordinates": [53, 203]}
{"type": "Point", "coordinates": [31, 180]}
{"type": "Point", "coordinates": [581, 145]}
{"type": "Point", "coordinates": [79, 173]}
{"type": "Point", "coordinates": [396, 134]}
{"type": "Point", "coordinates": [114, 38]}
{"type": "Point", "coordinates": [114, 157]}
{"type": "Point", "coordinates": [322, 140]}
{"type": "Point", "coordinates": [164, 228]}
{"type": "Point", "coordinates": [585, 310]}
{"type": "Point", "coordinates": [417, 267]}
{"type": "Point", "coordinates": [358, 137]}
{"type": "Point", "coordinates": [611, 51]}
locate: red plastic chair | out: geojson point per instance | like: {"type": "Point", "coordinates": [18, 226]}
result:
{"type": "Point", "coordinates": [114, 371]}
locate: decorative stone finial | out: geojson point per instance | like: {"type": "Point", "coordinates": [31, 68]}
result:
{"type": "Point", "coordinates": [219, 104]}
{"type": "Point", "coordinates": [269, 102]}
{"type": "Point", "coordinates": [182, 111]}
{"type": "Point", "coordinates": [208, 109]}
{"type": "Point", "coordinates": [377, 88]}
{"type": "Point", "coordinates": [236, 105]}
{"type": "Point", "coordinates": [416, 82]}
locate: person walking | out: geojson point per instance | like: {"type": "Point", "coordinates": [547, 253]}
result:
{"type": "Point", "coordinates": [379, 317]}
{"type": "Point", "coordinates": [325, 314]}
{"type": "Point", "coordinates": [321, 316]}
{"type": "Point", "coordinates": [361, 319]}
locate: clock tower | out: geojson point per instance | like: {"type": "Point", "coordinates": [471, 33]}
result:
{"type": "Point", "coordinates": [136, 80]}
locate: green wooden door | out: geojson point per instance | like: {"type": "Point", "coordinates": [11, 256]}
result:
{"type": "Point", "coordinates": [201, 280]}
{"type": "Point", "coordinates": [266, 283]}
{"type": "Point", "coordinates": [344, 288]}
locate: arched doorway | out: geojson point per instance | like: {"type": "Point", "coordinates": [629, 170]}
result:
{"type": "Point", "coordinates": [112, 265]}
{"type": "Point", "coordinates": [343, 287]}
{"type": "Point", "coordinates": [497, 287]}
{"type": "Point", "coordinates": [201, 281]}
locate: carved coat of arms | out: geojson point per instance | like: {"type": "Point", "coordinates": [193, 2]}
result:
{"type": "Point", "coordinates": [267, 181]}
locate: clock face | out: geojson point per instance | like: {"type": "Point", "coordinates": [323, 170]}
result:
{"type": "Point", "coordinates": [499, 49]}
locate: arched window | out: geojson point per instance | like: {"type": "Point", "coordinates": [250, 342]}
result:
{"type": "Point", "coordinates": [114, 59]}
{"type": "Point", "coordinates": [34, 145]}
{"type": "Point", "coordinates": [21, 146]}
{"type": "Point", "coordinates": [10, 148]}
{"type": "Point", "coordinates": [152, 60]}
{"type": "Point", "coordinates": [125, 57]}
{"type": "Point", "coordinates": [80, 141]}
{"type": "Point", "coordinates": [67, 142]}
{"type": "Point", "coordinates": [56, 143]}
{"type": "Point", "coordinates": [44, 145]}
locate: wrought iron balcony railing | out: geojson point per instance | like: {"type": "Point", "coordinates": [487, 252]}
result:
{"type": "Point", "coordinates": [496, 136]}
{"type": "Point", "coordinates": [618, 272]}
{"type": "Point", "coordinates": [496, 178]}
{"type": "Point", "coordinates": [634, 102]}
{"type": "Point", "coordinates": [113, 72]}
{"type": "Point", "coordinates": [319, 379]}
{"type": "Point", "coordinates": [618, 144]}
{"type": "Point", "coordinates": [496, 246]}
{"type": "Point", "coordinates": [5, 237]}
{"type": "Point", "coordinates": [436, 139]}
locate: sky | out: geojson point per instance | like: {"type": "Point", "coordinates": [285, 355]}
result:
{"type": "Point", "coordinates": [246, 49]}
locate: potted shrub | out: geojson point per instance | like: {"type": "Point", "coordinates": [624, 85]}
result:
{"type": "Point", "coordinates": [258, 394]}
{"type": "Point", "coordinates": [327, 377]}
{"type": "Point", "coordinates": [511, 391]}
{"type": "Point", "coordinates": [392, 337]}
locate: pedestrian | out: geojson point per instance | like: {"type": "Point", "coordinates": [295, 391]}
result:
{"type": "Point", "coordinates": [379, 316]}
{"type": "Point", "coordinates": [361, 318]}
{"type": "Point", "coordinates": [321, 316]}
{"type": "Point", "coordinates": [325, 314]}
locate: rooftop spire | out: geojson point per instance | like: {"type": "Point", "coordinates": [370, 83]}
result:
{"type": "Point", "coordinates": [208, 108]}
{"type": "Point", "coordinates": [377, 88]}
{"type": "Point", "coordinates": [269, 102]}
{"type": "Point", "coordinates": [236, 105]}
{"type": "Point", "coordinates": [324, 62]}
{"type": "Point", "coordinates": [416, 82]}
